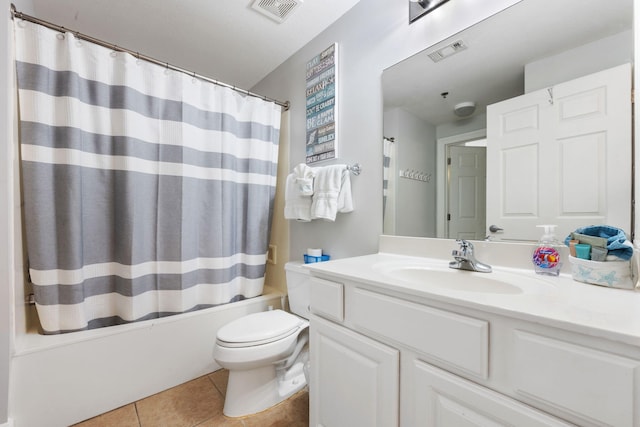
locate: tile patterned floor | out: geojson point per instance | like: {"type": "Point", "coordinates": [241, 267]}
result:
{"type": "Point", "coordinates": [198, 403]}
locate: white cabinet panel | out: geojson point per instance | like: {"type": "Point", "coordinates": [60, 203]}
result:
{"type": "Point", "coordinates": [445, 400]}
{"type": "Point", "coordinates": [455, 341]}
{"type": "Point", "coordinates": [593, 385]}
{"type": "Point", "coordinates": [327, 299]}
{"type": "Point", "coordinates": [354, 379]}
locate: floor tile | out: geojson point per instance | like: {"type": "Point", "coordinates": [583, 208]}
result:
{"type": "Point", "coordinates": [125, 416]}
{"type": "Point", "coordinates": [222, 421]}
{"type": "Point", "coordinates": [199, 403]}
{"type": "Point", "coordinates": [293, 412]}
{"type": "Point", "coordinates": [220, 379]}
{"type": "Point", "coordinates": [186, 405]}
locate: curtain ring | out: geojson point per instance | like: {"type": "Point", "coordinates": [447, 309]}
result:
{"type": "Point", "coordinates": [61, 34]}
{"type": "Point", "coordinates": [114, 51]}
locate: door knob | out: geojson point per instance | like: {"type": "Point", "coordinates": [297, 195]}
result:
{"type": "Point", "coordinates": [494, 228]}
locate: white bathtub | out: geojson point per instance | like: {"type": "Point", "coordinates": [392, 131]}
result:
{"type": "Point", "coordinates": [58, 380]}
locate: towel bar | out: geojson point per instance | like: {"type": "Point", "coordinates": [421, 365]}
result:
{"type": "Point", "coordinates": [355, 168]}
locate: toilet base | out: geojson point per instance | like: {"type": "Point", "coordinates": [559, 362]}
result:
{"type": "Point", "coordinates": [254, 390]}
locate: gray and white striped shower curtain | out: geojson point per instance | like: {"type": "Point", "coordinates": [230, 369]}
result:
{"type": "Point", "coordinates": [146, 192]}
{"type": "Point", "coordinates": [387, 155]}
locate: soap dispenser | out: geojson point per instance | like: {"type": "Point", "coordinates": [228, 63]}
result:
{"type": "Point", "coordinates": [546, 257]}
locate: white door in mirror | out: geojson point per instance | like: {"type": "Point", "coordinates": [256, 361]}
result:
{"type": "Point", "coordinates": [467, 177]}
{"type": "Point", "coordinates": [572, 145]}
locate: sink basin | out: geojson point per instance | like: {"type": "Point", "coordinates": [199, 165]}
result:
{"type": "Point", "coordinates": [455, 280]}
{"type": "Point", "coordinates": [433, 276]}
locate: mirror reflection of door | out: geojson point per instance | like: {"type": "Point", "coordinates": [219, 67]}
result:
{"type": "Point", "coordinates": [561, 156]}
{"type": "Point", "coordinates": [466, 190]}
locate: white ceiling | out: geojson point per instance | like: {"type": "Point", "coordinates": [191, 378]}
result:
{"type": "Point", "coordinates": [222, 39]}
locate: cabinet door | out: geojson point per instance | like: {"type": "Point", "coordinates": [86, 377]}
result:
{"type": "Point", "coordinates": [354, 379]}
{"type": "Point", "coordinates": [445, 400]}
{"type": "Point", "coordinates": [594, 387]}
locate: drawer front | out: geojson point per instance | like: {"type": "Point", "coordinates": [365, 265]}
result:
{"type": "Point", "coordinates": [447, 339]}
{"type": "Point", "coordinates": [327, 299]}
{"type": "Point", "coordinates": [598, 387]}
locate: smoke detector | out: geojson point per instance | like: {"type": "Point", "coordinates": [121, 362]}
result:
{"type": "Point", "coordinates": [464, 109]}
{"type": "Point", "coordinates": [278, 10]}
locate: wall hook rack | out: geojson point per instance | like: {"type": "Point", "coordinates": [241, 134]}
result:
{"type": "Point", "coordinates": [415, 175]}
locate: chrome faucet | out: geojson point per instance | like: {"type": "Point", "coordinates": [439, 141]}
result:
{"type": "Point", "coordinates": [466, 260]}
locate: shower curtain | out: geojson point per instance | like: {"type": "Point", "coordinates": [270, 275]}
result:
{"type": "Point", "coordinates": [147, 192]}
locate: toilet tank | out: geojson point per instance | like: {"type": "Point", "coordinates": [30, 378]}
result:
{"type": "Point", "coordinates": [298, 288]}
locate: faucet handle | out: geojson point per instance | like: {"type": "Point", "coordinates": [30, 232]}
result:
{"type": "Point", "coordinates": [464, 244]}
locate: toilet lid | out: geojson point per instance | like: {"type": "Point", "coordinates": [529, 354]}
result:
{"type": "Point", "coordinates": [259, 328]}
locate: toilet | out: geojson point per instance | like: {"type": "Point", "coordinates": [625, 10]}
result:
{"type": "Point", "coordinates": [266, 353]}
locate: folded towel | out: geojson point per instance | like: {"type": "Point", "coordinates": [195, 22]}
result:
{"type": "Point", "coordinates": [617, 244]}
{"type": "Point", "coordinates": [304, 179]}
{"type": "Point", "coordinates": [331, 192]}
{"type": "Point", "coordinates": [296, 206]}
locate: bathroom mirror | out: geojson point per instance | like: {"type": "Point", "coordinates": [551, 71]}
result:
{"type": "Point", "coordinates": [532, 45]}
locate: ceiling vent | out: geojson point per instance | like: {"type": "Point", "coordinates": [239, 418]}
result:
{"type": "Point", "coordinates": [278, 10]}
{"type": "Point", "coordinates": [447, 51]}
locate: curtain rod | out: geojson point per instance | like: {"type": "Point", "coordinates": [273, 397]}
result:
{"type": "Point", "coordinates": [16, 14]}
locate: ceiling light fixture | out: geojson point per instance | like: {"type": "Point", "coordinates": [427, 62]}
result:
{"type": "Point", "coordinates": [419, 8]}
{"type": "Point", "coordinates": [464, 109]}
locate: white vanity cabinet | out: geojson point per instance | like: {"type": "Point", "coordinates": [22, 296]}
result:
{"type": "Point", "coordinates": [443, 399]}
{"type": "Point", "coordinates": [357, 378]}
{"type": "Point", "coordinates": [383, 358]}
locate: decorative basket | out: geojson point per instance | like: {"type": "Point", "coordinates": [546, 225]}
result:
{"type": "Point", "coordinates": [612, 274]}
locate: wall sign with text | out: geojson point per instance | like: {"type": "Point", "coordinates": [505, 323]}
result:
{"type": "Point", "coordinates": [322, 89]}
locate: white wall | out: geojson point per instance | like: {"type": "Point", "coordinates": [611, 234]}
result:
{"type": "Point", "coordinates": [476, 122]}
{"type": "Point", "coordinates": [609, 52]}
{"type": "Point", "coordinates": [415, 200]}
{"type": "Point", "coordinates": [372, 36]}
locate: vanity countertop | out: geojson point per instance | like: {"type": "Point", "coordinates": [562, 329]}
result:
{"type": "Point", "coordinates": [593, 310]}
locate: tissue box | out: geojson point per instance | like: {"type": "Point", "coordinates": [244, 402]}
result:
{"type": "Point", "coordinates": [308, 259]}
{"type": "Point", "coordinates": [612, 274]}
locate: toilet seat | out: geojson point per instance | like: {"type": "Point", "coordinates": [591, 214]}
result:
{"type": "Point", "coordinates": [259, 329]}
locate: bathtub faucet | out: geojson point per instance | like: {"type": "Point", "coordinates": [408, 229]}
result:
{"type": "Point", "coordinates": [466, 260]}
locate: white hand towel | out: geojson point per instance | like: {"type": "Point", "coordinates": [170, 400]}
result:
{"type": "Point", "coordinates": [304, 179]}
{"type": "Point", "coordinates": [327, 198]}
{"type": "Point", "coordinates": [296, 206]}
{"type": "Point", "coordinates": [345, 202]}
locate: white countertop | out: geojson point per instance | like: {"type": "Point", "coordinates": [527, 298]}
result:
{"type": "Point", "coordinates": [561, 302]}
